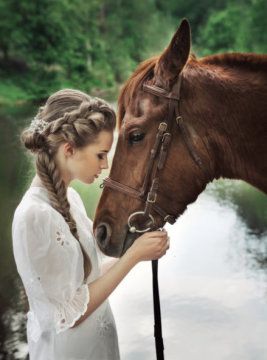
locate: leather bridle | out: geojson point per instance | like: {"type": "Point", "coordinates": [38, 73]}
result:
{"type": "Point", "coordinates": [157, 159]}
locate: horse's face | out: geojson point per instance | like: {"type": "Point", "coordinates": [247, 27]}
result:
{"type": "Point", "coordinates": [140, 115]}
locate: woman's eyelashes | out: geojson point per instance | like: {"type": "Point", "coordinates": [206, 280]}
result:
{"type": "Point", "coordinates": [102, 156]}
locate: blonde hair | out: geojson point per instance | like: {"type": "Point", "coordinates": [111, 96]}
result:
{"type": "Point", "coordinates": [68, 116]}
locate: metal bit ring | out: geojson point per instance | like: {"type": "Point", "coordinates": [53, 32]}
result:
{"type": "Point", "coordinates": [132, 228]}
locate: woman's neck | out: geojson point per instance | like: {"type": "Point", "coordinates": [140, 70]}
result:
{"type": "Point", "coordinates": [36, 181]}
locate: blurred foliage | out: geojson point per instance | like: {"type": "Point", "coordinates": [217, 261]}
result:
{"type": "Point", "coordinates": [239, 26]}
{"type": "Point", "coordinates": [95, 45]}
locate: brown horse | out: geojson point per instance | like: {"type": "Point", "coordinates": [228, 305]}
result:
{"type": "Point", "coordinates": [215, 115]}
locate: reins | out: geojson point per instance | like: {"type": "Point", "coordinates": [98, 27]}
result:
{"type": "Point", "coordinates": [159, 344]}
{"type": "Point", "coordinates": [148, 195]}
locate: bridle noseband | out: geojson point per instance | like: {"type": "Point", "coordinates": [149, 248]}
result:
{"type": "Point", "coordinates": [157, 159]}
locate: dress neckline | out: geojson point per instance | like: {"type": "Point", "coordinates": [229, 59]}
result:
{"type": "Point", "coordinates": [41, 188]}
{"type": "Point", "coordinates": [43, 192]}
{"type": "Point", "coordinates": [36, 186]}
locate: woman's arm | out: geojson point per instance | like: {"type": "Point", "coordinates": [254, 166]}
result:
{"type": "Point", "coordinates": [107, 264]}
{"type": "Point", "coordinates": [149, 246]}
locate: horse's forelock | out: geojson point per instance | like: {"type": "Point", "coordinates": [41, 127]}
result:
{"type": "Point", "coordinates": [132, 84]}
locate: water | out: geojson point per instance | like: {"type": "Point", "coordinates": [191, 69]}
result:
{"type": "Point", "coordinates": [212, 280]}
{"type": "Point", "coordinates": [213, 294]}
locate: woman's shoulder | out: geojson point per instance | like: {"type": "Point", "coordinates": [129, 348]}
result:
{"type": "Point", "coordinates": [34, 206]}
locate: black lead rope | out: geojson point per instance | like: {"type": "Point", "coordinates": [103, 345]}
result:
{"type": "Point", "coordinates": [157, 315]}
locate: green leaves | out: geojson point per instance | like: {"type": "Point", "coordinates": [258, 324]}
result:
{"type": "Point", "coordinates": [95, 45]}
{"type": "Point", "coordinates": [238, 27]}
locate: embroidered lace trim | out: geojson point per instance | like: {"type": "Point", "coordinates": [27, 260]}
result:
{"type": "Point", "coordinates": [69, 312]}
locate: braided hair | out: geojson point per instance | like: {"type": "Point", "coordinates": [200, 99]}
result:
{"type": "Point", "coordinates": [68, 116]}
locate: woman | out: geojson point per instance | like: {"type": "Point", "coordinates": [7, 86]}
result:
{"type": "Point", "coordinates": [55, 251]}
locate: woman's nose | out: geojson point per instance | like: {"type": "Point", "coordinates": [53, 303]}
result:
{"type": "Point", "coordinates": [105, 165]}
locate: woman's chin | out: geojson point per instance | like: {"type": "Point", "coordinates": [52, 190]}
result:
{"type": "Point", "coordinates": [89, 180]}
{"type": "Point", "coordinates": [92, 180]}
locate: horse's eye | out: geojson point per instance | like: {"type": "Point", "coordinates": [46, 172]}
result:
{"type": "Point", "coordinates": [136, 136]}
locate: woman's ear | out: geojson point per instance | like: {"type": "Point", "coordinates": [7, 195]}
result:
{"type": "Point", "coordinates": [68, 149]}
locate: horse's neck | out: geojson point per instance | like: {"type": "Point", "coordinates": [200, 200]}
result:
{"type": "Point", "coordinates": [236, 116]}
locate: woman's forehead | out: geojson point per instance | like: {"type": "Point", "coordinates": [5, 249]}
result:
{"type": "Point", "coordinates": [104, 138]}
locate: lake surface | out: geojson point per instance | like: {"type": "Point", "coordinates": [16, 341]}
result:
{"type": "Point", "coordinates": [212, 280]}
{"type": "Point", "coordinates": [213, 291]}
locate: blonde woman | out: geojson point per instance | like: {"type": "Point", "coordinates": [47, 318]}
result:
{"type": "Point", "coordinates": [54, 247]}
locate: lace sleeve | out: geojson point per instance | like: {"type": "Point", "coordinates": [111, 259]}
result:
{"type": "Point", "coordinates": [69, 312]}
{"type": "Point", "coordinates": [50, 263]}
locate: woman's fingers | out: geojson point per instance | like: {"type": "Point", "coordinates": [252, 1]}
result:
{"type": "Point", "coordinates": [162, 238]}
{"type": "Point", "coordinates": [164, 245]}
{"type": "Point", "coordinates": [158, 233]}
{"type": "Point", "coordinates": [152, 245]}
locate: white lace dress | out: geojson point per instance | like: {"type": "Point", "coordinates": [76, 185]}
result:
{"type": "Point", "coordinates": [50, 263]}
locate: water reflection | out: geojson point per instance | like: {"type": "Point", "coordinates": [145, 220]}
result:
{"type": "Point", "coordinates": [212, 281]}
{"type": "Point", "coordinates": [213, 302]}
{"type": "Point", "coordinates": [251, 207]}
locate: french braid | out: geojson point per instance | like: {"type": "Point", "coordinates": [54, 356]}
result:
{"type": "Point", "coordinates": [74, 117]}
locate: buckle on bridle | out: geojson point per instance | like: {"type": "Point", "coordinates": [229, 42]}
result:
{"type": "Point", "coordinates": [150, 199]}
{"type": "Point", "coordinates": [162, 126]}
{"type": "Point", "coordinates": [178, 119]}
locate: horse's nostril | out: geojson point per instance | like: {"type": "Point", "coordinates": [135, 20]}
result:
{"type": "Point", "coordinates": [103, 233]}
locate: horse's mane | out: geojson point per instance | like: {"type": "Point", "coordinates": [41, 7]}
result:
{"type": "Point", "coordinates": [249, 61]}
{"type": "Point", "coordinates": [132, 84]}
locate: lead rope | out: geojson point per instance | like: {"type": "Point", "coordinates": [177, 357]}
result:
{"type": "Point", "coordinates": [156, 300]}
{"type": "Point", "coordinates": [157, 313]}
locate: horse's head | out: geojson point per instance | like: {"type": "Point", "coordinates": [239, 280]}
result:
{"type": "Point", "coordinates": [147, 102]}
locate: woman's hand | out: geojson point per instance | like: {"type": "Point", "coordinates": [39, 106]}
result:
{"type": "Point", "coordinates": [150, 246]}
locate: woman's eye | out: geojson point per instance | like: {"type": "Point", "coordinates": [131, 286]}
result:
{"type": "Point", "coordinates": [136, 137]}
{"type": "Point", "coordinates": [100, 156]}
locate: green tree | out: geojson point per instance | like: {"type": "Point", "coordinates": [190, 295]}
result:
{"type": "Point", "coordinates": [96, 44]}
{"type": "Point", "coordinates": [238, 27]}
{"type": "Point", "coordinates": [256, 31]}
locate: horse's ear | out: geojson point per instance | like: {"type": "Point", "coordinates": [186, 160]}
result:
{"type": "Point", "coordinates": [174, 58]}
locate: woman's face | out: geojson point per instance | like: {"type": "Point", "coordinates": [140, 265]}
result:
{"type": "Point", "coordinates": [86, 164]}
